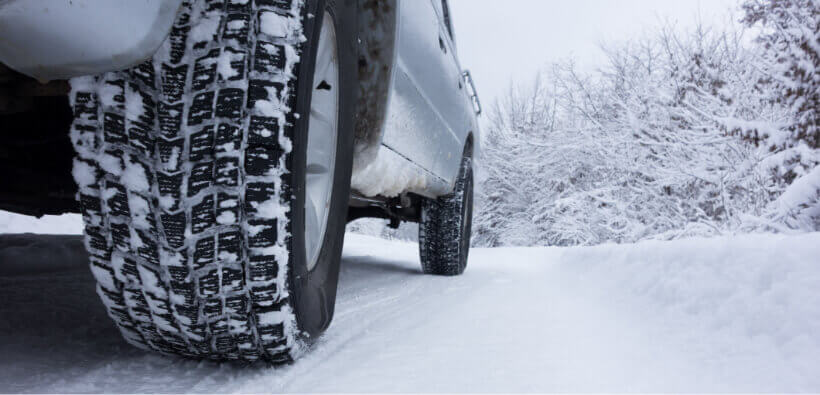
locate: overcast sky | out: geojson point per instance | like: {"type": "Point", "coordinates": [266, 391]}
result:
{"type": "Point", "coordinates": [505, 40]}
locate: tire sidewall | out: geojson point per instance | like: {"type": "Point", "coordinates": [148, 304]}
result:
{"type": "Point", "coordinates": [467, 202]}
{"type": "Point", "coordinates": [313, 293]}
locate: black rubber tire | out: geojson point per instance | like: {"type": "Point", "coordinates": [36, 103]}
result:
{"type": "Point", "coordinates": [445, 227]}
{"type": "Point", "coordinates": [191, 177]}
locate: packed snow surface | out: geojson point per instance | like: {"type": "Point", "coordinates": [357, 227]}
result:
{"type": "Point", "coordinates": [724, 314]}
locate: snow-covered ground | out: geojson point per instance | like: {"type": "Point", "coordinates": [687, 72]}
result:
{"type": "Point", "coordinates": [725, 314]}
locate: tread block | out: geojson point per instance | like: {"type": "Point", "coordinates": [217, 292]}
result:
{"type": "Point", "coordinates": [263, 131]}
{"type": "Point", "coordinates": [227, 209]}
{"type": "Point", "coordinates": [105, 280]}
{"type": "Point", "coordinates": [219, 328]}
{"type": "Point", "coordinates": [237, 60]}
{"type": "Point", "coordinates": [279, 355]}
{"type": "Point", "coordinates": [85, 106]}
{"type": "Point", "coordinates": [96, 243]}
{"type": "Point", "coordinates": [148, 251]}
{"type": "Point", "coordinates": [202, 38]}
{"type": "Point", "coordinates": [200, 179]}
{"type": "Point", "coordinates": [140, 138]}
{"type": "Point", "coordinates": [229, 103]}
{"type": "Point", "coordinates": [214, 6]}
{"type": "Point", "coordinates": [282, 5]}
{"type": "Point", "coordinates": [209, 283]}
{"type": "Point", "coordinates": [227, 172]}
{"type": "Point", "coordinates": [228, 138]}
{"type": "Point", "coordinates": [141, 214]}
{"type": "Point", "coordinates": [137, 304]}
{"type": "Point", "coordinates": [228, 246]}
{"type": "Point", "coordinates": [204, 252]}
{"type": "Point", "coordinates": [202, 347]}
{"type": "Point", "coordinates": [261, 161]}
{"type": "Point", "coordinates": [178, 39]}
{"type": "Point", "coordinates": [121, 236]}
{"type": "Point", "coordinates": [205, 70]}
{"type": "Point", "coordinates": [262, 268]}
{"type": "Point", "coordinates": [237, 26]}
{"type": "Point", "coordinates": [114, 128]}
{"type": "Point", "coordinates": [118, 200]}
{"type": "Point", "coordinates": [202, 215]}
{"type": "Point", "coordinates": [213, 307]}
{"type": "Point", "coordinates": [114, 93]}
{"type": "Point", "coordinates": [202, 108]}
{"type": "Point", "coordinates": [236, 305]}
{"type": "Point", "coordinates": [262, 233]}
{"type": "Point", "coordinates": [90, 205]}
{"type": "Point", "coordinates": [111, 298]}
{"type": "Point", "coordinates": [140, 105]}
{"type": "Point", "coordinates": [263, 90]}
{"type": "Point", "coordinates": [202, 144]}
{"type": "Point", "coordinates": [170, 187]}
{"type": "Point", "coordinates": [225, 345]}
{"type": "Point", "coordinates": [170, 119]}
{"type": "Point", "coordinates": [174, 226]}
{"type": "Point", "coordinates": [257, 193]}
{"type": "Point", "coordinates": [270, 332]}
{"type": "Point", "coordinates": [232, 280]}
{"type": "Point", "coordinates": [179, 275]}
{"type": "Point", "coordinates": [173, 81]}
{"type": "Point", "coordinates": [125, 268]}
{"type": "Point", "coordinates": [239, 6]}
{"type": "Point", "coordinates": [85, 139]}
{"type": "Point", "coordinates": [144, 72]}
{"type": "Point", "coordinates": [170, 153]}
{"type": "Point", "coordinates": [263, 297]}
{"type": "Point", "coordinates": [269, 58]}
{"type": "Point", "coordinates": [188, 313]}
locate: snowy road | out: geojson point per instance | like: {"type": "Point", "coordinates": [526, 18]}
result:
{"type": "Point", "coordinates": [740, 314]}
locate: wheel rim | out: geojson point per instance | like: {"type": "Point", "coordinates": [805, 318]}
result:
{"type": "Point", "coordinates": [322, 138]}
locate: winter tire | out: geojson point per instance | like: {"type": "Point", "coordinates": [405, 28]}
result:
{"type": "Point", "coordinates": [197, 172]}
{"type": "Point", "coordinates": [444, 230]}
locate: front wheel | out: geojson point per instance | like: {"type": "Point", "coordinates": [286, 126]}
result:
{"type": "Point", "coordinates": [445, 227]}
{"type": "Point", "coordinates": [214, 179]}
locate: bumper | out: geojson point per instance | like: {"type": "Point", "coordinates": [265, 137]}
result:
{"type": "Point", "coordinates": [58, 39]}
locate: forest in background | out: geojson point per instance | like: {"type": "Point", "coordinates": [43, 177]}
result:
{"type": "Point", "coordinates": [697, 133]}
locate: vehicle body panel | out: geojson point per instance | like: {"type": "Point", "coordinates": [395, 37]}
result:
{"type": "Point", "coordinates": [59, 39]}
{"type": "Point", "coordinates": [413, 139]}
{"type": "Point", "coordinates": [430, 113]}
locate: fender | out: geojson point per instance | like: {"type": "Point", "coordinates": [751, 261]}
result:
{"type": "Point", "coordinates": [60, 39]}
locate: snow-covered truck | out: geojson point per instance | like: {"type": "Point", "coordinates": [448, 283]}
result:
{"type": "Point", "coordinates": [217, 148]}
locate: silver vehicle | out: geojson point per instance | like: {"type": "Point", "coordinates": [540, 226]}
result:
{"type": "Point", "coordinates": [217, 148]}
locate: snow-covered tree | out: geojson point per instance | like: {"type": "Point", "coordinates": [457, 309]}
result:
{"type": "Point", "coordinates": [651, 146]}
{"type": "Point", "coordinates": [790, 41]}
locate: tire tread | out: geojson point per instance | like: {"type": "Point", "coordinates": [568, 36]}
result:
{"type": "Point", "coordinates": [194, 263]}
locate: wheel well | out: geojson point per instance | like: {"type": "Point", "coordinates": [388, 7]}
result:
{"type": "Point", "coordinates": [377, 22]}
{"type": "Point", "coordinates": [468, 146]}
{"type": "Point", "coordinates": [35, 150]}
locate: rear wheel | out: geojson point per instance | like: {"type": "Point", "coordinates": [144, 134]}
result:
{"type": "Point", "coordinates": [214, 179]}
{"type": "Point", "coordinates": [445, 227]}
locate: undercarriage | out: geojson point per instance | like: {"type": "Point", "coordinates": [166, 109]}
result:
{"type": "Point", "coordinates": [35, 150]}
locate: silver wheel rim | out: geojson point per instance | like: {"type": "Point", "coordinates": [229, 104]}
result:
{"type": "Point", "coordinates": [322, 138]}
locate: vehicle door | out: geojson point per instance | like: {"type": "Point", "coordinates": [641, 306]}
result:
{"type": "Point", "coordinates": [426, 96]}
{"type": "Point", "coordinates": [461, 115]}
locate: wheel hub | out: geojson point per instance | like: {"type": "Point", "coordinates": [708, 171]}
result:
{"type": "Point", "coordinates": [322, 137]}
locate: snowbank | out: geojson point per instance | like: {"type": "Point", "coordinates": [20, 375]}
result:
{"type": "Point", "coordinates": [50, 224]}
